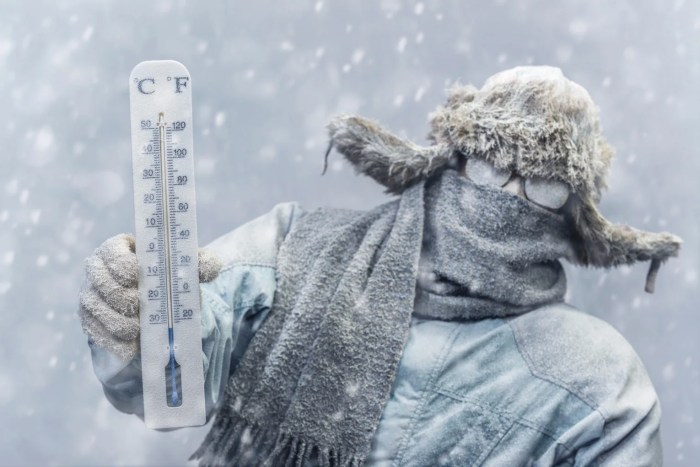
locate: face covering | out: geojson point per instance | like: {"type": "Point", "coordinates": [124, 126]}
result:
{"type": "Point", "coordinates": [487, 252]}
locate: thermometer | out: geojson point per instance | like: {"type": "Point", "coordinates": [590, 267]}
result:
{"type": "Point", "coordinates": [166, 244]}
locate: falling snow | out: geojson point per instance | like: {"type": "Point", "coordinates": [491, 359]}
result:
{"type": "Point", "coordinates": [220, 119]}
{"type": "Point", "coordinates": [266, 79]}
{"type": "Point", "coordinates": [401, 46]}
{"type": "Point", "coordinates": [87, 34]}
{"type": "Point", "coordinates": [358, 55]}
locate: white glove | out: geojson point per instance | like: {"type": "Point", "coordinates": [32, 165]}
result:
{"type": "Point", "coordinates": [109, 299]}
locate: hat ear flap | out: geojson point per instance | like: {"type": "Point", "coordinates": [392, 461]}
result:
{"type": "Point", "coordinates": [603, 244]}
{"type": "Point", "coordinates": [394, 162]}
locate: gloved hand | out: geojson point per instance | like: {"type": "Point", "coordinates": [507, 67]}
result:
{"type": "Point", "coordinates": [109, 300]}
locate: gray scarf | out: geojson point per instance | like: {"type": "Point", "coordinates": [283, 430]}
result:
{"type": "Point", "coordinates": [487, 253]}
{"type": "Point", "coordinates": [312, 386]}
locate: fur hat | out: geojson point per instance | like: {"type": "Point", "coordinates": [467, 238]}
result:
{"type": "Point", "coordinates": [528, 119]}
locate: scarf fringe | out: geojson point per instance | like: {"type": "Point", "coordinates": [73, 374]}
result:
{"type": "Point", "coordinates": [235, 441]}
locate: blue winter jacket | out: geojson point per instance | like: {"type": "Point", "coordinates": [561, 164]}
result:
{"type": "Point", "coordinates": [553, 386]}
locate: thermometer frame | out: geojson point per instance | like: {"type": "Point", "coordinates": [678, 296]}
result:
{"type": "Point", "coordinates": [166, 244]}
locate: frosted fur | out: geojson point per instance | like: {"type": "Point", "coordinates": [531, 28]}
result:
{"type": "Point", "coordinates": [604, 244]}
{"type": "Point", "coordinates": [109, 300]}
{"type": "Point", "coordinates": [531, 120]}
{"type": "Point", "coordinates": [392, 161]}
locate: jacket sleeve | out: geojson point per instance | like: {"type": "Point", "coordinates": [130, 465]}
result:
{"type": "Point", "coordinates": [631, 432]}
{"type": "Point", "coordinates": [624, 428]}
{"type": "Point", "coordinates": [610, 415]}
{"type": "Point", "coordinates": [233, 307]}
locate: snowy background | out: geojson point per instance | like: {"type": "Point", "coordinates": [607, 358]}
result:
{"type": "Point", "coordinates": [267, 75]}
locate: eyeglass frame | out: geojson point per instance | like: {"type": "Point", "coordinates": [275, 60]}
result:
{"type": "Point", "coordinates": [461, 167]}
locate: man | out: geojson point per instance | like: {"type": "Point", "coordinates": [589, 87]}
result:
{"type": "Point", "coordinates": [431, 329]}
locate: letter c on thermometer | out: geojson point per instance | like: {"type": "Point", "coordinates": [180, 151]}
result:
{"type": "Point", "coordinates": [140, 85]}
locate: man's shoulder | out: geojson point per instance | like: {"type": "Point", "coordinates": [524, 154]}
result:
{"type": "Point", "coordinates": [579, 352]}
{"type": "Point", "coordinates": [258, 240]}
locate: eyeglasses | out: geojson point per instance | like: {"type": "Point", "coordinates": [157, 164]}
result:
{"type": "Point", "coordinates": [551, 194]}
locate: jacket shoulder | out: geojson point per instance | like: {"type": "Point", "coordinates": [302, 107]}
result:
{"type": "Point", "coordinates": [257, 241]}
{"type": "Point", "coordinates": [582, 354]}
